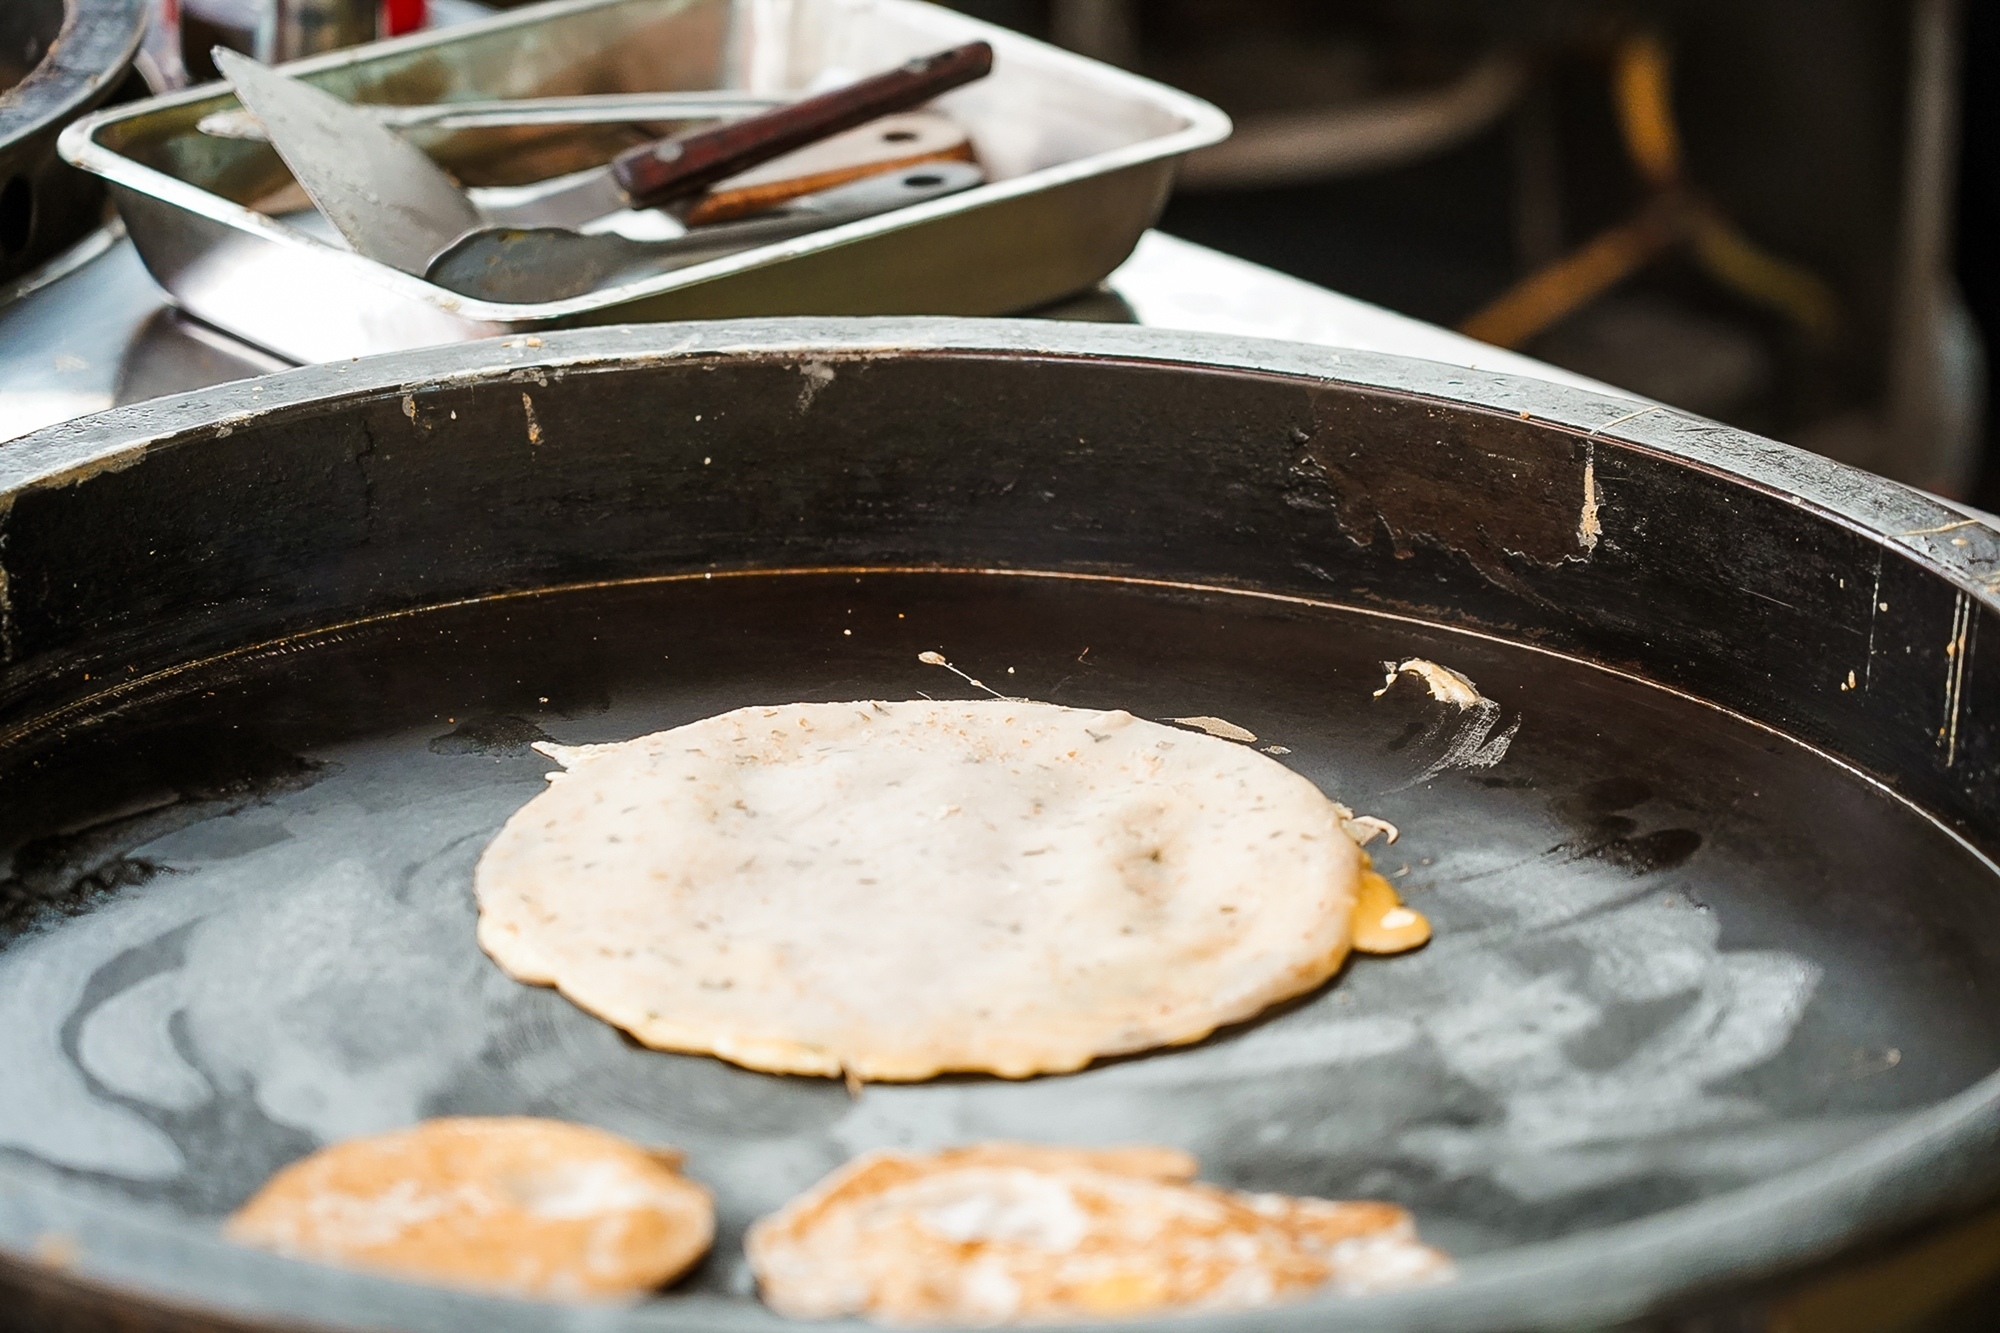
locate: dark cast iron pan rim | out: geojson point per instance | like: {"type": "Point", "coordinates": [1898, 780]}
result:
{"type": "Point", "coordinates": [1909, 522]}
{"type": "Point", "coordinates": [1893, 1179]}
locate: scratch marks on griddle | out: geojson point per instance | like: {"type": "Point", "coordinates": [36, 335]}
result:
{"type": "Point", "coordinates": [6, 588]}
{"type": "Point", "coordinates": [1874, 611]}
{"type": "Point", "coordinates": [534, 425]}
{"type": "Point", "coordinates": [1588, 528]}
{"type": "Point", "coordinates": [1957, 652]}
{"type": "Point", "coordinates": [1501, 499]}
{"type": "Point", "coordinates": [364, 468]}
{"type": "Point", "coordinates": [1629, 416]}
{"type": "Point", "coordinates": [817, 374]}
{"type": "Point", "coordinates": [939, 660]}
{"type": "Point", "coordinates": [1947, 527]}
{"type": "Point", "coordinates": [1466, 732]}
{"type": "Point", "coordinates": [1774, 601]}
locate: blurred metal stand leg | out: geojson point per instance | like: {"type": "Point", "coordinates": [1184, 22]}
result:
{"type": "Point", "coordinates": [1537, 178]}
{"type": "Point", "coordinates": [1935, 374]}
{"type": "Point", "coordinates": [160, 62]}
{"type": "Point", "coordinates": [295, 28]}
{"type": "Point", "coordinates": [1106, 30]}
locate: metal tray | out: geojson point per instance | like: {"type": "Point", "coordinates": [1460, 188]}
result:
{"type": "Point", "coordinates": [1714, 1003]}
{"type": "Point", "coordinates": [1082, 157]}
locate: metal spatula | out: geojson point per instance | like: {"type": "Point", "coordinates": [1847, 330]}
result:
{"type": "Point", "coordinates": [391, 202]}
{"type": "Point", "coordinates": [531, 265]}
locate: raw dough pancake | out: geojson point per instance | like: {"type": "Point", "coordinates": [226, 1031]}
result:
{"type": "Point", "coordinates": [510, 1204]}
{"type": "Point", "coordinates": [1005, 1233]}
{"type": "Point", "coordinates": [893, 890]}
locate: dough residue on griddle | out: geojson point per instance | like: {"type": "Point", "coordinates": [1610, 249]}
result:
{"type": "Point", "coordinates": [895, 890]}
{"type": "Point", "coordinates": [1220, 727]}
{"type": "Point", "coordinates": [1446, 686]}
{"type": "Point", "coordinates": [1005, 1233]}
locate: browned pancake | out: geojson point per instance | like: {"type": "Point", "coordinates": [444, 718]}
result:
{"type": "Point", "coordinates": [511, 1204]}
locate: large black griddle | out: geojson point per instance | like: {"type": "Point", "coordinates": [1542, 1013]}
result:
{"type": "Point", "coordinates": [1714, 1003]}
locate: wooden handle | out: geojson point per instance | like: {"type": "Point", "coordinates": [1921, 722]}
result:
{"type": "Point", "coordinates": [653, 174]}
{"type": "Point", "coordinates": [888, 143]}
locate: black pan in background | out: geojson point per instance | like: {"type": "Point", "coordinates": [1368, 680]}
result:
{"type": "Point", "coordinates": [1712, 1002]}
{"type": "Point", "coordinates": [58, 59]}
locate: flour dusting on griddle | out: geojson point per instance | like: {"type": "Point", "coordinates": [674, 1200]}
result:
{"type": "Point", "coordinates": [1469, 739]}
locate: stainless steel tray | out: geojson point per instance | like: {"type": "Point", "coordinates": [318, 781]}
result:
{"type": "Point", "coordinates": [1082, 156]}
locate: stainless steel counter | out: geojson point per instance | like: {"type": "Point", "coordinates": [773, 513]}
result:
{"type": "Point", "coordinates": [102, 334]}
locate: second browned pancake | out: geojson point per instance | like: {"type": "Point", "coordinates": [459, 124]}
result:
{"type": "Point", "coordinates": [1007, 1233]}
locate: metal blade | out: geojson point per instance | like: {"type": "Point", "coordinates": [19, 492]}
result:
{"type": "Point", "coordinates": [562, 201]}
{"type": "Point", "coordinates": [582, 109]}
{"type": "Point", "coordinates": [391, 202]}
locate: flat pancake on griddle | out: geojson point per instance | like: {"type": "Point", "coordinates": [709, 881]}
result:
{"type": "Point", "coordinates": [895, 890]}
